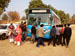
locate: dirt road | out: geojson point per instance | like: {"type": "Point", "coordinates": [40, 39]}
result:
{"type": "Point", "coordinates": [27, 49]}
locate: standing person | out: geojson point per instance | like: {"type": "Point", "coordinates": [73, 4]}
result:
{"type": "Point", "coordinates": [53, 36]}
{"type": "Point", "coordinates": [67, 33]}
{"type": "Point", "coordinates": [18, 37]}
{"type": "Point", "coordinates": [58, 38]}
{"type": "Point", "coordinates": [39, 20]}
{"type": "Point", "coordinates": [11, 30]}
{"type": "Point", "coordinates": [64, 37]}
{"type": "Point", "coordinates": [24, 32]}
{"type": "Point", "coordinates": [33, 32]}
{"type": "Point", "coordinates": [22, 26]}
{"type": "Point", "coordinates": [40, 33]}
{"type": "Point", "coordinates": [62, 33]}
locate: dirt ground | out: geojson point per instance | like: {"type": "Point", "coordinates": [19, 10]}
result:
{"type": "Point", "coordinates": [29, 49]}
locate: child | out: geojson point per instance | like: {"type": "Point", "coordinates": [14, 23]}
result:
{"type": "Point", "coordinates": [11, 35]}
{"type": "Point", "coordinates": [18, 37]}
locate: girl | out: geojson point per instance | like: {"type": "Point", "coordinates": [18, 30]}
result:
{"type": "Point", "coordinates": [18, 37]}
{"type": "Point", "coordinates": [11, 35]}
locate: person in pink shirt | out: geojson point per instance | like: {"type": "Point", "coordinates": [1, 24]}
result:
{"type": "Point", "coordinates": [18, 37]}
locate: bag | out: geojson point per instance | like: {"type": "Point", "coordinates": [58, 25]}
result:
{"type": "Point", "coordinates": [15, 34]}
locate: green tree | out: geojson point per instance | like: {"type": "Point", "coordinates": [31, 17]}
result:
{"type": "Point", "coordinates": [36, 4]}
{"type": "Point", "coordinates": [14, 16]}
{"type": "Point", "coordinates": [5, 17]}
{"type": "Point", "coordinates": [3, 5]}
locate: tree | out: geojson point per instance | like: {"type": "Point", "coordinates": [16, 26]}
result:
{"type": "Point", "coordinates": [39, 4]}
{"type": "Point", "coordinates": [73, 16]}
{"type": "Point", "coordinates": [0, 11]}
{"type": "Point", "coordinates": [3, 5]}
{"type": "Point", "coordinates": [14, 16]}
{"type": "Point", "coordinates": [71, 21]}
{"type": "Point", "coordinates": [23, 18]}
{"type": "Point", "coordinates": [35, 4]}
{"type": "Point", "coordinates": [5, 17]}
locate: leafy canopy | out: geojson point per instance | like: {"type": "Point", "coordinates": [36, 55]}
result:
{"type": "Point", "coordinates": [3, 5]}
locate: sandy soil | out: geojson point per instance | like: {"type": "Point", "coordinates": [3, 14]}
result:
{"type": "Point", "coordinates": [29, 49]}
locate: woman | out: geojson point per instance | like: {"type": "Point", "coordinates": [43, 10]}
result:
{"type": "Point", "coordinates": [11, 35]}
{"type": "Point", "coordinates": [18, 37]}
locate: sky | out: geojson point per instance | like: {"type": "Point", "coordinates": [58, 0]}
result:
{"type": "Point", "coordinates": [68, 6]}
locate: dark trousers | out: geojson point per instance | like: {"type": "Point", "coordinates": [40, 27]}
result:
{"type": "Point", "coordinates": [54, 41]}
{"type": "Point", "coordinates": [23, 36]}
{"type": "Point", "coordinates": [63, 41]}
{"type": "Point", "coordinates": [58, 39]}
{"type": "Point", "coordinates": [33, 37]}
{"type": "Point", "coordinates": [67, 40]}
{"type": "Point", "coordinates": [40, 41]}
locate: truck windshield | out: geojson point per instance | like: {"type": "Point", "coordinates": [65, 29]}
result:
{"type": "Point", "coordinates": [39, 19]}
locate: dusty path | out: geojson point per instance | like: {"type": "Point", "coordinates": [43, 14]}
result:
{"type": "Point", "coordinates": [26, 49]}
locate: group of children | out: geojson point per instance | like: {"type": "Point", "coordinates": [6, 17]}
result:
{"type": "Point", "coordinates": [58, 34]}
{"type": "Point", "coordinates": [15, 35]}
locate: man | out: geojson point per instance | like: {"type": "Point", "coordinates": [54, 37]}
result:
{"type": "Point", "coordinates": [58, 38]}
{"type": "Point", "coordinates": [23, 27]}
{"type": "Point", "coordinates": [67, 34]}
{"type": "Point", "coordinates": [53, 36]}
{"type": "Point", "coordinates": [39, 20]}
{"type": "Point", "coordinates": [64, 37]}
{"type": "Point", "coordinates": [40, 33]}
{"type": "Point", "coordinates": [33, 32]}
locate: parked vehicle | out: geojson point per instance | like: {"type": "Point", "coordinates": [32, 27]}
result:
{"type": "Point", "coordinates": [3, 32]}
